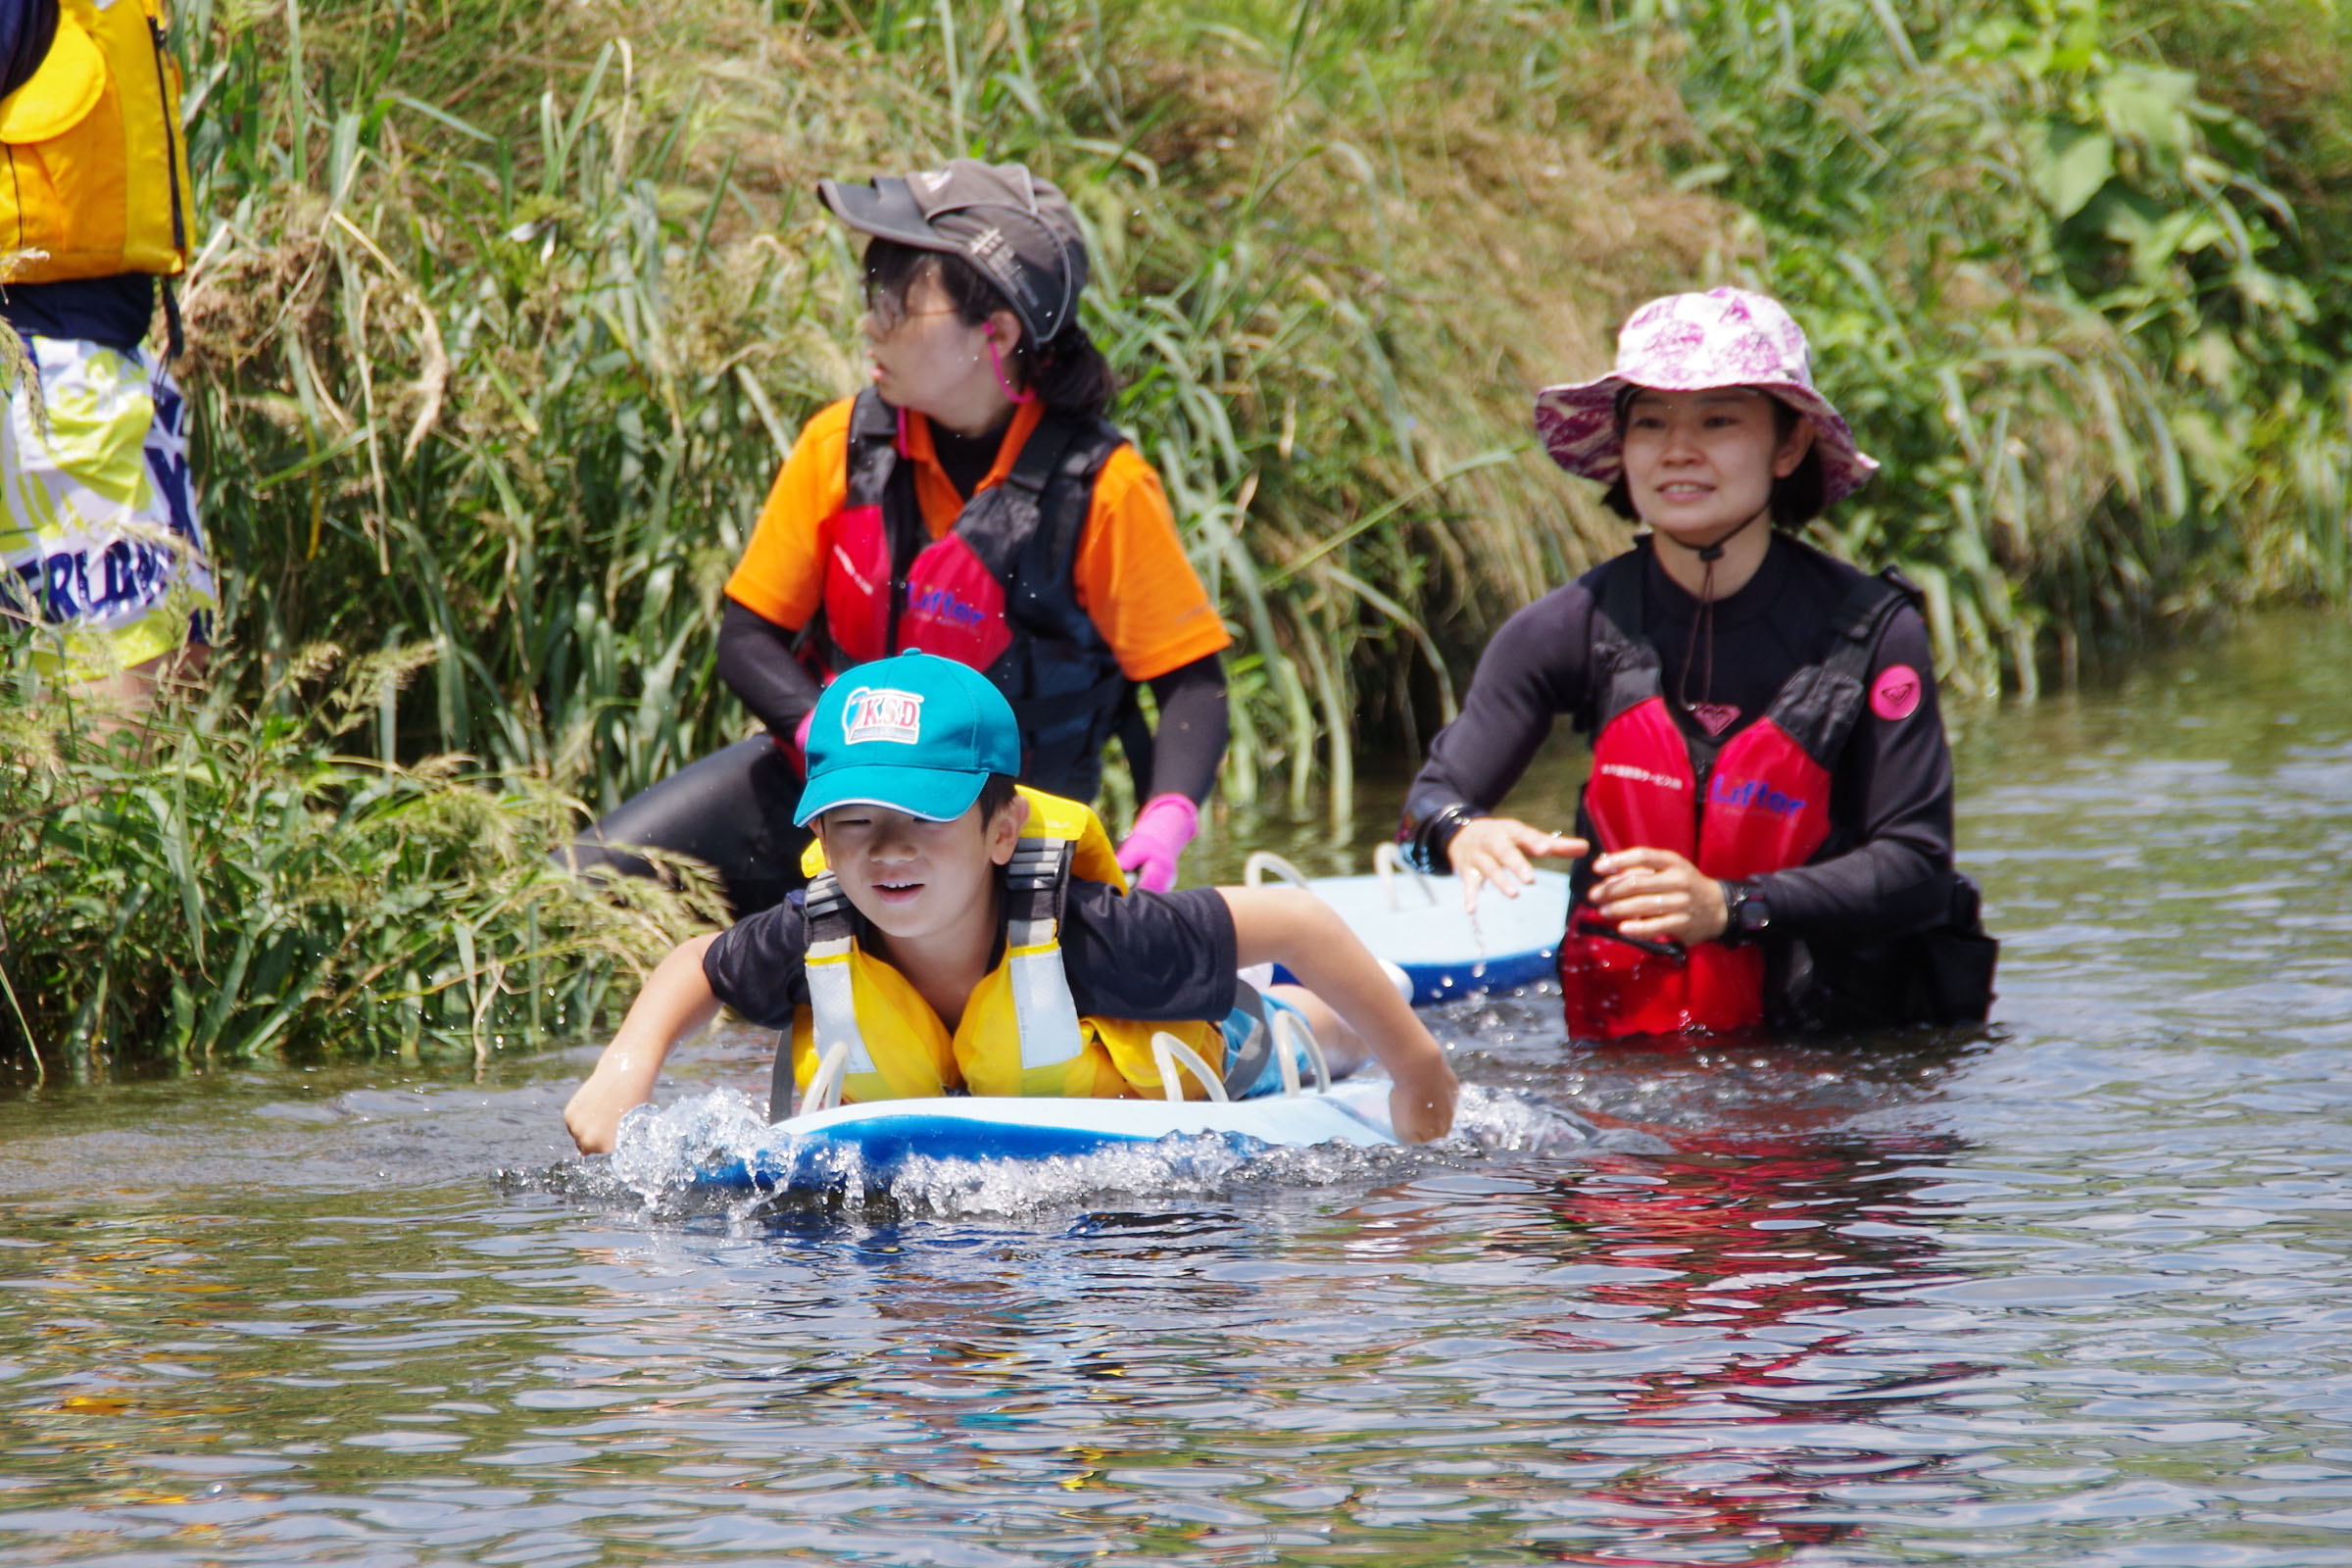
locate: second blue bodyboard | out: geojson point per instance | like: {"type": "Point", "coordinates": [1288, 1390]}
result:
{"type": "Point", "coordinates": [1418, 925]}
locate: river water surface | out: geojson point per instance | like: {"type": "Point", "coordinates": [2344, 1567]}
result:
{"type": "Point", "coordinates": [2071, 1291]}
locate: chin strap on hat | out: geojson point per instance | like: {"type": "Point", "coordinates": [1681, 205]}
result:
{"type": "Point", "coordinates": [1708, 555]}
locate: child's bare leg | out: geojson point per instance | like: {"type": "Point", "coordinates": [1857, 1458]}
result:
{"type": "Point", "coordinates": [1344, 1050]}
{"type": "Point", "coordinates": [123, 701]}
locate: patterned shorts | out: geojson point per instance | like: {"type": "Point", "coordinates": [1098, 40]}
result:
{"type": "Point", "coordinates": [1252, 1047]}
{"type": "Point", "coordinates": [102, 563]}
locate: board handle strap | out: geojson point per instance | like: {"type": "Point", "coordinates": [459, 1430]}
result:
{"type": "Point", "coordinates": [1261, 862]}
{"type": "Point", "coordinates": [1387, 861]}
{"type": "Point", "coordinates": [1290, 1029]}
{"type": "Point", "coordinates": [1167, 1051]}
{"type": "Point", "coordinates": [824, 1084]}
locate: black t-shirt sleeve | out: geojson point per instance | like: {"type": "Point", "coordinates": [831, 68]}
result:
{"type": "Point", "coordinates": [757, 965]}
{"type": "Point", "coordinates": [1891, 796]}
{"type": "Point", "coordinates": [1536, 667]}
{"type": "Point", "coordinates": [1149, 956]}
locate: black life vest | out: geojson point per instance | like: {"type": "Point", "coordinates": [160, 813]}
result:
{"type": "Point", "coordinates": [1737, 805]}
{"type": "Point", "coordinates": [995, 592]}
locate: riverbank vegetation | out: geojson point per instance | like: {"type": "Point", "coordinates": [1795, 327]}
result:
{"type": "Point", "coordinates": [504, 315]}
{"type": "Point", "coordinates": [224, 881]}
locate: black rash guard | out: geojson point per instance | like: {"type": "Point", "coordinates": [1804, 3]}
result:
{"type": "Point", "coordinates": [1887, 873]}
{"type": "Point", "coordinates": [966, 459]}
{"type": "Point", "coordinates": [756, 661]}
{"type": "Point", "coordinates": [27, 29]}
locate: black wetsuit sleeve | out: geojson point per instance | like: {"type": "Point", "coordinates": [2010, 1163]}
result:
{"type": "Point", "coordinates": [1893, 789]}
{"type": "Point", "coordinates": [1536, 667]}
{"type": "Point", "coordinates": [755, 660]}
{"type": "Point", "coordinates": [1149, 956]}
{"type": "Point", "coordinates": [758, 968]}
{"type": "Point", "coordinates": [1194, 727]}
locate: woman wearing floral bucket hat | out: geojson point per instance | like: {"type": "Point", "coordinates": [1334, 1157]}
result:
{"type": "Point", "coordinates": [1766, 836]}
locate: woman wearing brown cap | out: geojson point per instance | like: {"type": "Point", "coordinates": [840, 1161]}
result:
{"type": "Point", "coordinates": [971, 502]}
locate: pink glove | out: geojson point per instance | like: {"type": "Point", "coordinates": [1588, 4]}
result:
{"type": "Point", "coordinates": [797, 747]}
{"type": "Point", "coordinates": [1162, 828]}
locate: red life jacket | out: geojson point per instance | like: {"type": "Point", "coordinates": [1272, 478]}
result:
{"type": "Point", "coordinates": [1754, 800]}
{"type": "Point", "coordinates": [995, 592]}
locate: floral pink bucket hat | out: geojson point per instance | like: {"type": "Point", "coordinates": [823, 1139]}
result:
{"type": "Point", "coordinates": [1689, 343]}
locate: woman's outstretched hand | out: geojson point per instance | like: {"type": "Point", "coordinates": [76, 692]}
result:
{"type": "Point", "coordinates": [1497, 850]}
{"type": "Point", "coordinates": [1657, 893]}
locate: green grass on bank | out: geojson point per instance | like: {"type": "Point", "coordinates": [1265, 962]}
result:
{"type": "Point", "coordinates": [510, 311]}
{"type": "Point", "coordinates": [2056, 275]}
{"type": "Point", "coordinates": [223, 883]}
{"type": "Point", "coordinates": [504, 315]}
{"type": "Point", "coordinates": [507, 364]}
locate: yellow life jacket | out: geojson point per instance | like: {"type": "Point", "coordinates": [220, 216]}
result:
{"type": "Point", "coordinates": [1020, 1033]}
{"type": "Point", "coordinates": [97, 176]}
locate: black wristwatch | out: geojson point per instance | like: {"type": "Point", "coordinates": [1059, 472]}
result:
{"type": "Point", "coordinates": [1425, 849]}
{"type": "Point", "coordinates": [1747, 916]}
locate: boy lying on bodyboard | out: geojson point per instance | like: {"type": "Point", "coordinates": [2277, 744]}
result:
{"type": "Point", "coordinates": [965, 934]}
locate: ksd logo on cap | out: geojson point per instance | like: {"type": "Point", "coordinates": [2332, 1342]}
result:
{"type": "Point", "coordinates": [882, 715]}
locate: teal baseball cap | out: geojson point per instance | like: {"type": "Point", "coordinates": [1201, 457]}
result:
{"type": "Point", "coordinates": [917, 733]}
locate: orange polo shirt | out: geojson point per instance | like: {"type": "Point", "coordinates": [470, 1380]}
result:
{"type": "Point", "coordinates": [1131, 574]}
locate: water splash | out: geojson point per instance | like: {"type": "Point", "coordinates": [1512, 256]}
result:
{"type": "Point", "coordinates": [665, 1159]}
{"type": "Point", "coordinates": [1505, 1121]}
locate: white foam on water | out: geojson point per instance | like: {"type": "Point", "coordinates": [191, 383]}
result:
{"type": "Point", "coordinates": [663, 1159]}
{"type": "Point", "coordinates": [1504, 1121]}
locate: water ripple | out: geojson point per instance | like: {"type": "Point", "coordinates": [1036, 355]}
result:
{"type": "Point", "coordinates": [2069, 1290]}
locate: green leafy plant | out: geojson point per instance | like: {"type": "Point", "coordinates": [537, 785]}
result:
{"type": "Point", "coordinates": [220, 884]}
{"type": "Point", "coordinates": [2049, 278]}
{"type": "Point", "coordinates": [505, 316]}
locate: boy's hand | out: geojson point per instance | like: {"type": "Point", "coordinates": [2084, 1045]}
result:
{"type": "Point", "coordinates": [1296, 929]}
{"type": "Point", "coordinates": [593, 1114]}
{"type": "Point", "coordinates": [1421, 1106]}
{"type": "Point", "coordinates": [1495, 848]}
{"type": "Point", "coordinates": [676, 1001]}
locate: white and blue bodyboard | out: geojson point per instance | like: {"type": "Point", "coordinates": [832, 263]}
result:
{"type": "Point", "coordinates": [1416, 922]}
{"type": "Point", "coordinates": [877, 1139]}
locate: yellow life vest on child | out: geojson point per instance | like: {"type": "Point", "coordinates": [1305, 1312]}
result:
{"type": "Point", "coordinates": [1020, 1033]}
{"type": "Point", "coordinates": [97, 176]}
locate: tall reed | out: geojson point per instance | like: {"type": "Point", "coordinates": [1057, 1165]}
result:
{"type": "Point", "coordinates": [503, 357]}
{"type": "Point", "coordinates": [506, 373]}
{"type": "Point", "coordinates": [220, 884]}
{"type": "Point", "coordinates": [2051, 279]}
